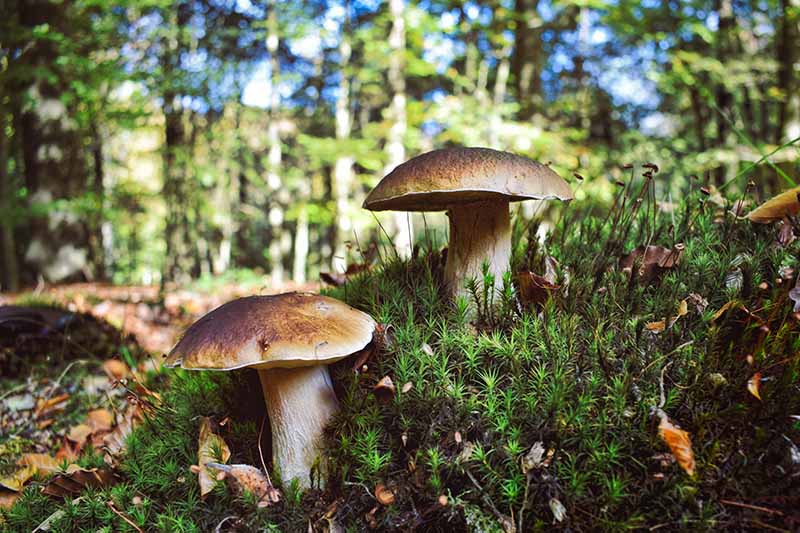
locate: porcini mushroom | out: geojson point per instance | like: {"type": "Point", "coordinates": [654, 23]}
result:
{"type": "Point", "coordinates": [290, 339]}
{"type": "Point", "coordinates": [474, 186]}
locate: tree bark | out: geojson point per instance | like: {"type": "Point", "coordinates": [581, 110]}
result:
{"type": "Point", "coordinates": [342, 184]}
{"type": "Point", "coordinates": [274, 156]}
{"type": "Point", "coordinates": [10, 278]}
{"type": "Point", "coordinates": [788, 56]}
{"type": "Point", "coordinates": [395, 148]}
{"type": "Point", "coordinates": [526, 64]}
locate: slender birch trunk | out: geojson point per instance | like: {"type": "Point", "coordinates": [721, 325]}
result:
{"type": "Point", "coordinates": [274, 155]}
{"type": "Point", "coordinates": [395, 149]}
{"type": "Point", "coordinates": [343, 168]}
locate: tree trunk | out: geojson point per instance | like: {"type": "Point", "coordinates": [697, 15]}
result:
{"type": "Point", "coordinates": [274, 157]}
{"type": "Point", "coordinates": [10, 278]}
{"type": "Point", "coordinates": [526, 60]}
{"type": "Point", "coordinates": [498, 98]}
{"type": "Point", "coordinates": [343, 168]}
{"type": "Point", "coordinates": [54, 158]}
{"type": "Point", "coordinates": [301, 235]}
{"type": "Point", "coordinates": [395, 148]}
{"type": "Point", "coordinates": [788, 52]}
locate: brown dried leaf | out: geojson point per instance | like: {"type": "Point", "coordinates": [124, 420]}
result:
{"type": "Point", "coordinates": [384, 390]}
{"type": "Point", "coordinates": [116, 369]}
{"type": "Point", "coordinates": [533, 459]}
{"type": "Point", "coordinates": [656, 327]}
{"type": "Point", "coordinates": [698, 301]}
{"type": "Point", "coordinates": [384, 495]}
{"type": "Point", "coordinates": [679, 442]}
{"type": "Point", "coordinates": [777, 207]}
{"type": "Point", "coordinates": [338, 279]}
{"type": "Point", "coordinates": [43, 463]}
{"type": "Point", "coordinates": [651, 261]}
{"type": "Point", "coordinates": [46, 406]}
{"type": "Point", "coordinates": [76, 479]}
{"type": "Point", "coordinates": [786, 234]}
{"type": "Point", "coordinates": [7, 500]}
{"type": "Point", "coordinates": [754, 385]}
{"type": "Point", "coordinates": [241, 478]}
{"type": "Point", "coordinates": [534, 290]}
{"type": "Point", "coordinates": [210, 449]}
{"type": "Point", "coordinates": [78, 434]}
{"type": "Point", "coordinates": [794, 295]}
{"type": "Point", "coordinates": [115, 441]}
{"type": "Point", "coordinates": [99, 420]}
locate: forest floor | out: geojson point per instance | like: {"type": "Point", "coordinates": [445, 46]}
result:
{"type": "Point", "coordinates": [640, 370]}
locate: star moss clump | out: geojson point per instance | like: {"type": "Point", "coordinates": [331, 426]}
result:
{"type": "Point", "coordinates": [542, 412]}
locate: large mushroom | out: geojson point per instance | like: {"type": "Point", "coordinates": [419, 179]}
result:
{"type": "Point", "coordinates": [290, 339]}
{"type": "Point", "coordinates": [474, 186]}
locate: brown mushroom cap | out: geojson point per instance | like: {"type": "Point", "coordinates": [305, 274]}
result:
{"type": "Point", "coordinates": [437, 180]}
{"type": "Point", "coordinates": [279, 331]}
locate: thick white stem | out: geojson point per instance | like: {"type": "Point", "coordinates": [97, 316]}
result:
{"type": "Point", "coordinates": [479, 232]}
{"type": "Point", "coordinates": [300, 402]}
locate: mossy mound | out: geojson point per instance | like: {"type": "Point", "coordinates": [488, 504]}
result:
{"type": "Point", "coordinates": [578, 377]}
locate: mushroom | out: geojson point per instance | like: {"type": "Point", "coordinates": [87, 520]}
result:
{"type": "Point", "coordinates": [289, 339]}
{"type": "Point", "coordinates": [474, 186]}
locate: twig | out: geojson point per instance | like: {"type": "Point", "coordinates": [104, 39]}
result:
{"type": "Point", "coordinates": [753, 507]}
{"type": "Point", "coordinates": [261, 452]}
{"type": "Point", "coordinates": [218, 529]}
{"type": "Point", "coordinates": [119, 514]}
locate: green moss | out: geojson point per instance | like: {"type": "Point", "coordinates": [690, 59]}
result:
{"type": "Point", "coordinates": [582, 375]}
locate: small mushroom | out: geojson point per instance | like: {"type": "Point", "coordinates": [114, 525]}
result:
{"type": "Point", "coordinates": [474, 186]}
{"type": "Point", "coordinates": [290, 339]}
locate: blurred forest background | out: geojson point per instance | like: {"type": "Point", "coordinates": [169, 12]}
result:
{"type": "Point", "coordinates": [149, 141]}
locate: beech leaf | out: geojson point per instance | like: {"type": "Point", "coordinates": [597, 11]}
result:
{"type": "Point", "coordinates": [210, 449]}
{"type": "Point", "coordinates": [248, 478]}
{"type": "Point", "coordinates": [679, 442]}
{"type": "Point", "coordinates": [777, 207]}
{"type": "Point", "coordinates": [754, 385]}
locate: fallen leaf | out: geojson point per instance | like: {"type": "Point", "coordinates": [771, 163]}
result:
{"type": "Point", "coordinates": [17, 479]}
{"type": "Point", "coordinates": [41, 462]}
{"type": "Point", "coordinates": [45, 406]}
{"type": "Point", "coordinates": [248, 478]}
{"type": "Point", "coordinates": [115, 441]}
{"type": "Point", "coordinates": [362, 356]}
{"type": "Point", "coordinates": [786, 234]}
{"type": "Point", "coordinates": [656, 327]}
{"type": "Point", "coordinates": [384, 495]}
{"type": "Point", "coordinates": [551, 267]}
{"type": "Point", "coordinates": [698, 301]}
{"type": "Point", "coordinates": [115, 369]}
{"type": "Point", "coordinates": [651, 261]}
{"type": "Point", "coordinates": [534, 290]}
{"type": "Point", "coordinates": [754, 385]}
{"type": "Point", "coordinates": [384, 390]}
{"type": "Point", "coordinates": [777, 207]}
{"type": "Point", "coordinates": [76, 479]}
{"type": "Point", "coordinates": [794, 295]}
{"type": "Point", "coordinates": [407, 387]}
{"type": "Point", "coordinates": [338, 279]}
{"type": "Point", "coordinates": [679, 442]}
{"type": "Point", "coordinates": [78, 434]}
{"type": "Point", "coordinates": [7, 500]}
{"type": "Point", "coordinates": [731, 306]}
{"type": "Point", "coordinates": [558, 509]}
{"type": "Point", "coordinates": [210, 448]}
{"type": "Point", "coordinates": [99, 420]}
{"type": "Point", "coordinates": [533, 459]}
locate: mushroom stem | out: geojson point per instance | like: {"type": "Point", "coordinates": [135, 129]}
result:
{"type": "Point", "coordinates": [479, 232]}
{"type": "Point", "coordinates": [300, 402]}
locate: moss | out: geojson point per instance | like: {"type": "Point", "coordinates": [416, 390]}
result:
{"type": "Point", "coordinates": [582, 375]}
